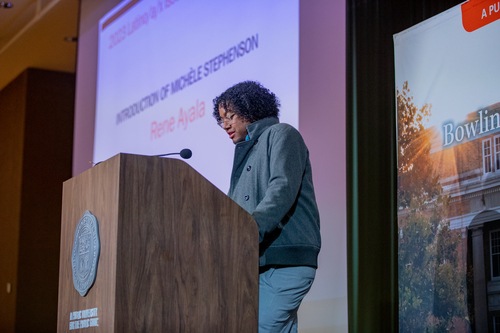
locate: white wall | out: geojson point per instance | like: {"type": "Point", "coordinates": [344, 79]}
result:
{"type": "Point", "coordinates": [322, 106]}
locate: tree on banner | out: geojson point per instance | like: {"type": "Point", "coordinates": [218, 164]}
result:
{"type": "Point", "coordinates": [417, 180]}
{"type": "Point", "coordinates": [431, 289]}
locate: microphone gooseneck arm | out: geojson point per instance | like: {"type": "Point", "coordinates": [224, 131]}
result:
{"type": "Point", "coordinates": [184, 153]}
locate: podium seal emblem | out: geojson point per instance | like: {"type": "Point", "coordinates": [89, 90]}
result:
{"type": "Point", "coordinates": [85, 255]}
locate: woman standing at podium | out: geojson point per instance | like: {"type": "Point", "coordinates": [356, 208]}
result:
{"type": "Point", "coordinates": [272, 180]}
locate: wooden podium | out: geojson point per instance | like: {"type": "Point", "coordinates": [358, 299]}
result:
{"type": "Point", "coordinates": [176, 254]}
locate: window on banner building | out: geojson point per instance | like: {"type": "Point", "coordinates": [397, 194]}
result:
{"type": "Point", "coordinates": [491, 154]}
{"type": "Point", "coordinates": [495, 254]}
{"type": "Point", "coordinates": [487, 156]}
{"type": "Point", "coordinates": [497, 152]}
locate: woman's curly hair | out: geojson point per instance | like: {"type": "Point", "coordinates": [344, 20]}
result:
{"type": "Point", "coordinates": [249, 100]}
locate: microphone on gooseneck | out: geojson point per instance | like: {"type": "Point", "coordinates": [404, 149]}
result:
{"type": "Point", "coordinates": [184, 153]}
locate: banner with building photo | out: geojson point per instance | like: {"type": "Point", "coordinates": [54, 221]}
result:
{"type": "Point", "coordinates": [448, 128]}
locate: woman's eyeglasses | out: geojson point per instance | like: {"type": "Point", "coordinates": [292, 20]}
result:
{"type": "Point", "coordinates": [226, 120]}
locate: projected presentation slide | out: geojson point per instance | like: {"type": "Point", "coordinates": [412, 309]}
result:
{"type": "Point", "coordinates": [161, 64]}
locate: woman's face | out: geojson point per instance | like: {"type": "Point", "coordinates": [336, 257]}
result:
{"type": "Point", "coordinates": [235, 126]}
